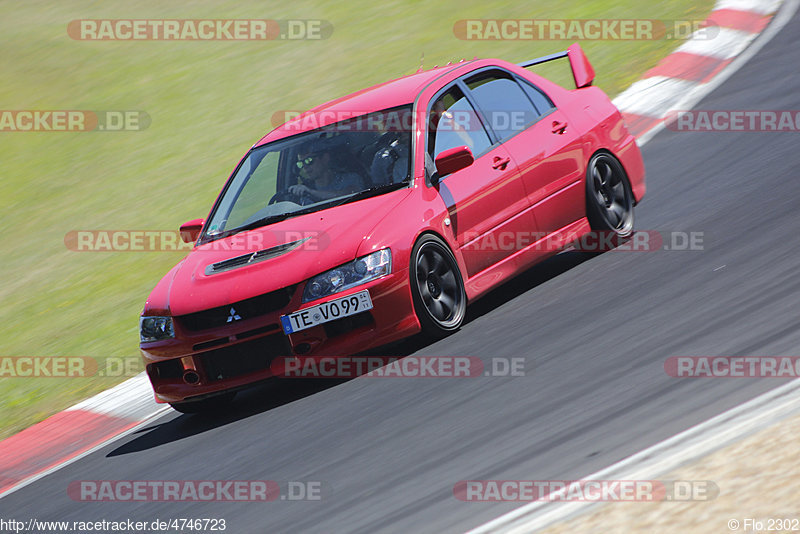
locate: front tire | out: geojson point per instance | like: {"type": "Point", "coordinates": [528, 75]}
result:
{"type": "Point", "coordinates": [440, 301]}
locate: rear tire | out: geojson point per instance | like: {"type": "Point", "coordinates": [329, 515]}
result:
{"type": "Point", "coordinates": [213, 404]}
{"type": "Point", "coordinates": [437, 289]}
{"type": "Point", "coordinates": [609, 200]}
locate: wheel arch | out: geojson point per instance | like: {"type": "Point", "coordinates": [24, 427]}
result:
{"type": "Point", "coordinates": [462, 267]}
{"type": "Point", "coordinates": [432, 326]}
{"type": "Point", "coordinates": [604, 150]}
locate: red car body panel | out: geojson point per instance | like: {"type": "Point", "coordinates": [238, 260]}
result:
{"type": "Point", "coordinates": [541, 191]}
{"type": "Point", "coordinates": [329, 246]}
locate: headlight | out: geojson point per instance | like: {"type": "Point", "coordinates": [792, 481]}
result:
{"type": "Point", "coordinates": [155, 329]}
{"type": "Point", "coordinates": [349, 275]}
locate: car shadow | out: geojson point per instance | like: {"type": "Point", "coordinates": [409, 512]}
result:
{"type": "Point", "coordinates": [277, 392]}
{"type": "Point", "coordinates": [524, 282]}
{"type": "Point", "coordinates": [259, 398]}
{"type": "Point", "coordinates": [533, 277]}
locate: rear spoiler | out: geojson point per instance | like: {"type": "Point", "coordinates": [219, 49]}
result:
{"type": "Point", "coordinates": [582, 71]}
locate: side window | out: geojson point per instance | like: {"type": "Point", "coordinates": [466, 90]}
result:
{"type": "Point", "coordinates": [504, 104]}
{"type": "Point", "coordinates": [540, 100]}
{"type": "Point", "coordinates": [453, 122]}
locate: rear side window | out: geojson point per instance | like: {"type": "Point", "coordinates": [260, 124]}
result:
{"type": "Point", "coordinates": [505, 106]}
{"type": "Point", "coordinates": [453, 122]}
{"type": "Point", "coordinates": [540, 100]}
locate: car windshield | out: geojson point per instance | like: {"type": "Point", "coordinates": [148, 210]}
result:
{"type": "Point", "coordinates": [343, 162]}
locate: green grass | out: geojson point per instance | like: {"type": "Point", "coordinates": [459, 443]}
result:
{"type": "Point", "coordinates": [208, 101]}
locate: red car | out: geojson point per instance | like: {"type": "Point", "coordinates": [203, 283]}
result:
{"type": "Point", "coordinates": [382, 214]}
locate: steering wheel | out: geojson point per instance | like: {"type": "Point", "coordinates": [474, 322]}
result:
{"type": "Point", "coordinates": [382, 142]}
{"type": "Point", "coordinates": [286, 196]}
{"type": "Point", "coordinates": [387, 155]}
{"type": "Point", "coordinates": [386, 139]}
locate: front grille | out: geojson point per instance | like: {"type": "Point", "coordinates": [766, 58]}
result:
{"type": "Point", "coordinates": [239, 336]}
{"type": "Point", "coordinates": [244, 309]}
{"type": "Point", "coordinates": [244, 358]}
{"type": "Point", "coordinates": [211, 344]}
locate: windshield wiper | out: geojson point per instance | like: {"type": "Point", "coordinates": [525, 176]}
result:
{"type": "Point", "coordinates": [264, 221]}
{"type": "Point", "coordinates": [270, 219]}
{"type": "Point", "coordinates": [373, 191]}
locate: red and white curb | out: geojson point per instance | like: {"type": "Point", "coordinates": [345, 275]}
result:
{"type": "Point", "coordinates": [75, 432]}
{"type": "Point", "coordinates": [676, 81]}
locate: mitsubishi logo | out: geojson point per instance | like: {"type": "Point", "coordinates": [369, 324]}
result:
{"type": "Point", "coordinates": [233, 316]}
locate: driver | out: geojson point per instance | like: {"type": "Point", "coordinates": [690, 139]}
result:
{"type": "Point", "coordinates": [322, 180]}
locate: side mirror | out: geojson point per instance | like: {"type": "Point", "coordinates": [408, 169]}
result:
{"type": "Point", "coordinates": [582, 70]}
{"type": "Point", "coordinates": [190, 231]}
{"type": "Point", "coordinates": [453, 160]}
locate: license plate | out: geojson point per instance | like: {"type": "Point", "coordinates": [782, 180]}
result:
{"type": "Point", "coordinates": [323, 313]}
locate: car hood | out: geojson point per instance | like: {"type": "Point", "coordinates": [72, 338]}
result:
{"type": "Point", "coordinates": [322, 240]}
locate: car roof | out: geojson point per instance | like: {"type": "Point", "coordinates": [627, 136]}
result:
{"type": "Point", "coordinates": [386, 95]}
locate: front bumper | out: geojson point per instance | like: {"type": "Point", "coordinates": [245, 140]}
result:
{"type": "Point", "coordinates": [201, 361]}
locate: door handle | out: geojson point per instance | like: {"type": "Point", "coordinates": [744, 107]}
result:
{"type": "Point", "coordinates": [559, 127]}
{"type": "Point", "coordinates": [500, 163]}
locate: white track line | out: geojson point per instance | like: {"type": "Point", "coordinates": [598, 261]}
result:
{"type": "Point", "coordinates": [690, 445]}
{"type": "Point", "coordinates": [132, 399]}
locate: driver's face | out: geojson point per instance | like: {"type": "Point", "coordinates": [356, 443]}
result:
{"type": "Point", "coordinates": [313, 164]}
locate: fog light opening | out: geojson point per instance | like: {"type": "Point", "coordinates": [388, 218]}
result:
{"type": "Point", "coordinates": [303, 348]}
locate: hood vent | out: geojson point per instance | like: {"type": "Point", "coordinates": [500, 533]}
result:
{"type": "Point", "coordinates": [253, 257]}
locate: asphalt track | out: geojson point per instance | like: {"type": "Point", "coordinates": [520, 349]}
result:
{"type": "Point", "coordinates": [594, 333]}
